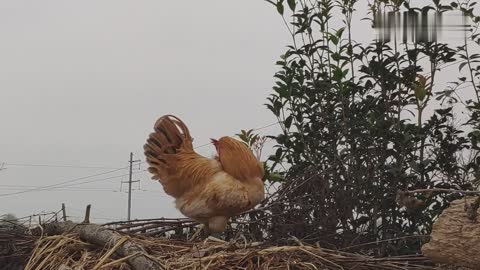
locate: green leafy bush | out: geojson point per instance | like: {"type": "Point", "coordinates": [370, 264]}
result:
{"type": "Point", "coordinates": [363, 121]}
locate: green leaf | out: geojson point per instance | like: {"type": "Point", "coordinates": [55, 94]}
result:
{"type": "Point", "coordinates": [280, 7]}
{"type": "Point", "coordinates": [334, 39]}
{"type": "Point", "coordinates": [278, 154]}
{"type": "Point", "coordinates": [243, 137]}
{"type": "Point", "coordinates": [271, 2]}
{"type": "Point", "coordinates": [288, 122]}
{"type": "Point", "coordinates": [340, 32]}
{"type": "Point", "coordinates": [275, 177]}
{"type": "Point", "coordinates": [337, 74]}
{"type": "Point", "coordinates": [292, 4]}
{"type": "Point", "coordinates": [336, 56]}
{"type": "Point", "coordinates": [420, 92]}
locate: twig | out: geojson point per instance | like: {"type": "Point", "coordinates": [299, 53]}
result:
{"type": "Point", "coordinates": [426, 190]}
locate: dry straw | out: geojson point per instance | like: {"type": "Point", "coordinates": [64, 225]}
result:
{"type": "Point", "coordinates": [70, 252]}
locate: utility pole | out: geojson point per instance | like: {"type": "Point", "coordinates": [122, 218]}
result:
{"type": "Point", "coordinates": [130, 186]}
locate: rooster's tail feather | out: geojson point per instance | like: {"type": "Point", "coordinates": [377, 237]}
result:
{"type": "Point", "coordinates": [171, 136]}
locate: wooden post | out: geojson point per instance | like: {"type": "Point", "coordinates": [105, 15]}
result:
{"type": "Point", "coordinates": [64, 213]}
{"type": "Point", "coordinates": [86, 220]}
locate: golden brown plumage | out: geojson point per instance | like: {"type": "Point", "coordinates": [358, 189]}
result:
{"type": "Point", "coordinates": [206, 190]}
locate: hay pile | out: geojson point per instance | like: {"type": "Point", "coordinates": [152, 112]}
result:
{"type": "Point", "coordinates": [70, 251]}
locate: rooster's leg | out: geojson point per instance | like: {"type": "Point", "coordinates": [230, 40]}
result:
{"type": "Point", "coordinates": [217, 226]}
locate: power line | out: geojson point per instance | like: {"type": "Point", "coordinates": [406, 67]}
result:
{"type": "Point", "coordinates": [58, 186]}
{"type": "Point", "coordinates": [99, 180]}
{"type": "Point", "coordinates": [54, 187]}
{"type": "Point", "coordinates": [272, 124]}
{"type": "Point", "coordinates": [62, 183]}
{"type": "Point", "coordinates": [62, 189]}
{"type": "Point", "coordinates": [29, 186]}
{"type": "Point", "coordinates": [74, 190]}
{"type": "Point", "coordinates": [58, 166]}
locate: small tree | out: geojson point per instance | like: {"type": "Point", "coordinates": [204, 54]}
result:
{"type": "Point", "coordinates": [349, 137]}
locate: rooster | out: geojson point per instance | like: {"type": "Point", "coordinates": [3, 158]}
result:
{"type": "Point", "coordinates": [208, 190]}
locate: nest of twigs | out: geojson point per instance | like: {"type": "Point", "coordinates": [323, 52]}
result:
{"type": "Point", "coordinates": [46, 248]}
{"type": "Point", "coordinates": [16, 245]}
{"type": "Point", "coordinates": [68, 251]}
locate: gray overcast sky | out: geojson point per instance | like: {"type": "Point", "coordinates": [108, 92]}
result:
{"type": "Point", "coordinates": [82, 83]}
